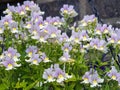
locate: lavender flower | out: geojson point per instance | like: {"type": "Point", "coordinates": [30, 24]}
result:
{"type": "Point", "coordinates": [28, 5]}
{"type": "Point", "coordinates": [31, 50]}
{"type": "Point", "coordinates": [20, 9]}
{"type": "Point", "coordinates": [64, 38]}
{"type": "Point", "coordinates": [45, 58]}
{"type": "Point", "coordinates": [95, 80]}
{"type": "Point", "coordinates": [88, 19]}
{"type": "Point", "coordinates": [65, 57]}
{"type": "Point", "coordinates": [75, 37]}
{"type": "Point", "coordinates": [86, 77]}
{"type": "Point", "coordinates": [68, 10]}
{"type": "Point", "coordinates": [113, 73]}
{"type": "Point", "coordinates": [34, 59]}
{"type": "Point", "coordinates": [49, 75]}
{"type": "Point", "coordinates": [10, 64]}
{"type": "Point", "coordinates": [84, 36]}
{"type": "Point", "coordinates": [7, 20]}
{"type": "Point", "coordinates": [66, 47]}
{"type": "Point", "coordinates": [1, 28]}
{"type": "Point", "coordinates": [14, 27]}
{"type": "Point", "coordinates": [60, 75]}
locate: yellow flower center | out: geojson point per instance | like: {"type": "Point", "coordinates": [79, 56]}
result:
{"type": "Point", "coordinates": [113, 77]}
{"type": "Point", "coordinates": [65, 11]}
{"type": "Point", "coordinates": [60, 76]}
{"type": "Point", "coordinates": [46, 59]}
{"type": "Point", "coordinates": [35, 61]}
{"type": "Point", "coordinates": [94, 82]}
{"type": "Point", "coordinates": [10, 65]}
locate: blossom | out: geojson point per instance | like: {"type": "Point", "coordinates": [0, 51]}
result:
{"type": "Point", "coordinates": [34, 59]}
{"type": "Point", "coordinates": [113, 73]}
{"type": "Point", "coordinates": [65, 57]}
{"type": "Point", "coordinates": [20, 9]}
{"type": "Point", "coordinates": [95, 80]}
{"type": "Point", "coordinates": [66, 47]}
{"type": "Point", "coordinates": [86, 77]}
{"type": "Point", "coordinates": [88, 19]}
{"type": "Point", "coordinates": [6, 20]}
{"type": "Point", "coordinates": [49, 74]}
{"type": "Point", "coordinates": [84, 36]}
{"type": "Point", "coordinates": [75, 37]}
{"type": "Point", "coordinates": [1, 28]}
{"type": "Point", "coordinates": [14, 27]}
{"type": "Point", "coordinates": [31, 50]}
{"type": "Point", "coordinates": [63, 38]}
{"type": "Point", "coordinates": [68, 10]}
{"type": "Point", "coordinates": [45, 58]}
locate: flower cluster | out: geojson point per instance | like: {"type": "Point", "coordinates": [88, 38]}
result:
{"type": "Point", "coordinates": [93, 78]}
{"type": "Point", "coordinates": [55, 73]}
{"type": "Point", "coordinates": [35, 57]}
{"type": "Point", "coordinates": [10, 58]}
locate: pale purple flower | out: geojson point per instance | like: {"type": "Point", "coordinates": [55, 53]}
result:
{"type": "Point", "coordinates": [53, 32]}
{"type": "Point", "coordinates": [112, 39]}
{"type": "Point", "coordinates": [28, 5]}
{"type": "Point", "coordinates": [1, 28]}
{"type": "Point", "coordinates": [10, 9]}
{"type": "Point", "coordinates": [95, 80]}
{"type": "Point", "coordinates": [86, 77]}
{"type": "Point", "coordinates": [56, 21]}
{"type": "Point", "coordinates": [59, 74]}
{"type": "Point", "coordinates": [34, 59]}
{"type": "Point", "coordinates": [20, 9]}
{"type": "Point", "coordinates": [68, 10]}
{"type": "Point", "coordinates": [65, 57]}
{"type": "Point", "coordinates": [31, 50]}
{"type": "Point", "coordinates": [48, 20]}
{"type": "Point", "coordinates": [10, 64]}
{"type": "Point", "coordinates": [113, 74]}
{"type": "Point", "coordinates": [75, 37]}
{"type": "Point", "coordinates": [88, 19]}
{"type": "Point", "coordinates": [66, 47]}
{"type": "Point", "coordinates": [44, 58]}
{"type": "Point", "coordinates": [40, 22]}
{"type": "Point", "coordinates": [14, 27]}
{"type": "Point", "coordinates": [63, 38]}
{"type": "Point", "coordinates": [84, 36]}
{"type": "Point", "coordinates": [6, 20]}
{"type": "Point", "coordinates": [48, 75]}
{"type": "Point", "coordinates": [34, 31]}
{"type": "Point", "coordinates": [28, 25]}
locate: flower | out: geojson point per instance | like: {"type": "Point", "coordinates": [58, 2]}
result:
{"type": "Point", "coordinates": [68, 10]}
{"type": "Point", "coordinates": [65, 57]}
{"type": "Point", "coordinates": [113, 73]}
{"type": "Point", "coordinates": [95, 80]}
{"type": "Point", "coordinates": [88, 19]}
{"type": "Point", "coordinates": [45, 58]}
{"type": "Point", "coordinates": [34, 59]}
{"type": "Point", "coordinates": [31, 50]}
{"type": "Point", "coordinates": [49, 74]}
{"type": "Point", "coordinates": [14, 27]}
{"type": "Point", "coordinates": [66, 47]}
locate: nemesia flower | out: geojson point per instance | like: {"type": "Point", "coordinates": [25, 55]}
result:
{"type": "Point", "coordinates": [53, 31]}
{"type": "Point", "coordinates": [12, 53]}
{"type": "Point", "coordinates": [64, 38]}
{"type": "Point", "coordinates": [98, 44]}
{"type": "Point", "coordinates": [84, 36]}
{"type": "Point", "coordinates": [75, 37]}
{"type": "Point", "coordinates": [65, 57]}
{"type": "Point", "coordinates": [28, 25]}
{"type": "Point", "coordinates": [10, 64]}
{"type": "Point", "coordinates": [88, 19]}
{"type": "Point", "coordinates": [95, 80]}
{"type": "Point", "coordinates": [6, 20]}
{"type": "Point", "coordinates": [49, 74]}
{"type": "Point", "coordinates": [56, 21]}
{"type": "Point", "coordinates": [45, 58]}
{"type": "Point", "coordinates": [28, 5]}
{"type": "Point", "coordinates": [20, 9]}
{"type": "Point", "coordinates": [66, 47]}
{"type": "Point", "coordinates": [13, 27]}
{"type": "Point", "coordinates": [10, 10]}
{"type": "Point", "coordinates": [40, 22]}
{"type": "Point", "coordinates": [60, 75]}
{"type": "Point", "coordinates": [68, 10]}
{"type": "Point", "coordinates": [31, 50]}
{"type": "Point", "coordinates": [34, 59]}
{"type": "Point", "coordinates": [86, 77]}
{"type": "Point", "coordinates": [112, 39]}
{"type": "Point", "coordinates": [113, 73]}
{"type": "Point", "coordinates": [1, 28]}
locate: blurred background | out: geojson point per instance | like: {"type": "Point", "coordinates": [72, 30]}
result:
{"type": "Point", "coordinates": [107, 11]}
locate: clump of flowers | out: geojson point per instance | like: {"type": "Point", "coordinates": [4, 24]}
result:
{"type": "Point", "coordinates": [39, 53]}
{"type": "Point", "coordinates": [55, 73]}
